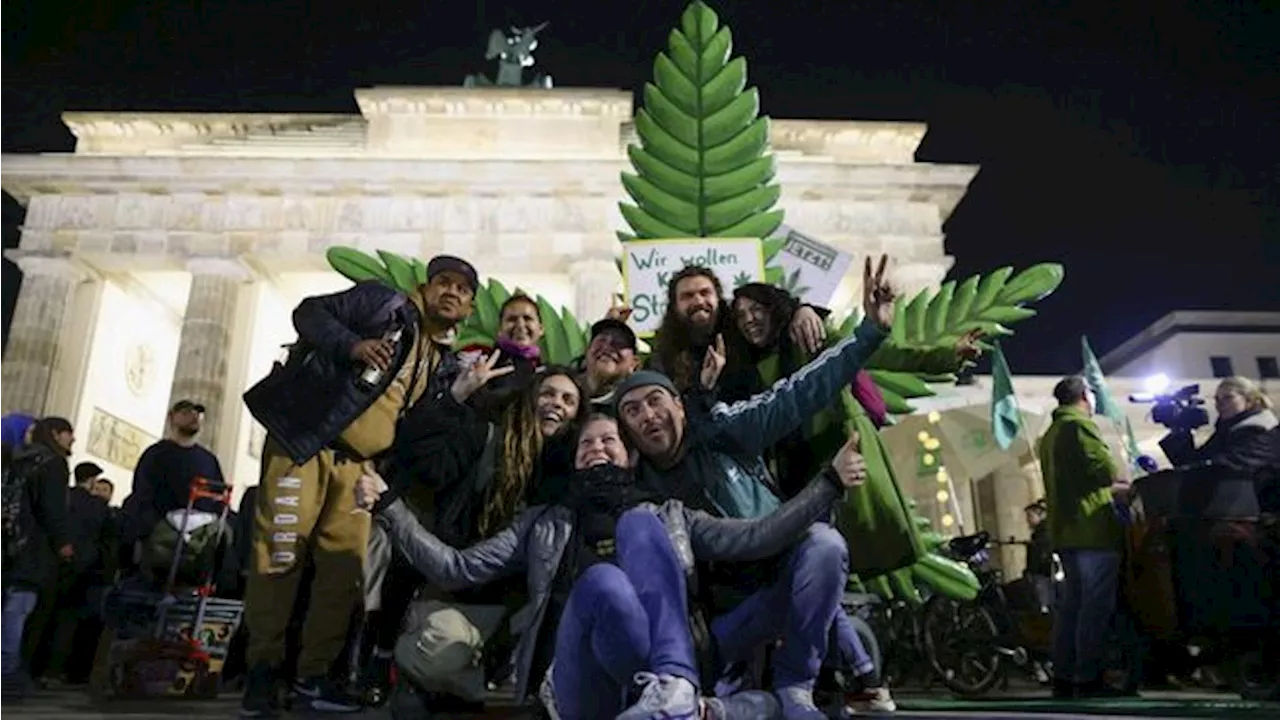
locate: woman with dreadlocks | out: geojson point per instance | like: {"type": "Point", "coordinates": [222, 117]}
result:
{"type": "Point", "coordinates": [467, 477]}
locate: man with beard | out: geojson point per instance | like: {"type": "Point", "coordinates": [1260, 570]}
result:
{"type": "Point", "coordinates": [712, 460]}
{"type": "Point", "coordinates": [696, 313]}
{"type": "Point", "coordinates": [163, 475]}
{"type": "Point", "coordinates": [610, 358]}
{"type": "Point", "coordinates": [362, 359]}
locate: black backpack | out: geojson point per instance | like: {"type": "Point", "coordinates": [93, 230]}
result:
{"type": "Point", "coordinates": [16, 508]}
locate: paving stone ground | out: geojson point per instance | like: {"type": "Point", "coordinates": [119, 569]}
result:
{"type": "Point", "coordinates": [52, 705]}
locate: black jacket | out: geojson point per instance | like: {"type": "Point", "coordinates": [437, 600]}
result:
{"type": "Point", "coordinates": [444, 460]}
{"type": "Point", "coordinates": [45, 499]}
{"type": "Point", "coordinates": [307, 401]}
{"type": "Point", "coordinates": [1224, 474]}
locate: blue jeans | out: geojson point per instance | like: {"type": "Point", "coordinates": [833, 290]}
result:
{"type": "Point", "coordinates": [18, 604]}
{"type": "Point", "coordinates": [849, 650]}
{"type": "Point", "coordinates": [1082, 618]}
{"type": "Point", "coordinates": [801, 607]}
{"type": "Point", "coordinates": [621, 619]}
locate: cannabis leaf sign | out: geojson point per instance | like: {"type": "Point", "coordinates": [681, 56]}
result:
{"type": "Point", "coordinates": [702, 167]}
{"type": "Point", "coordinates": [564, 338]}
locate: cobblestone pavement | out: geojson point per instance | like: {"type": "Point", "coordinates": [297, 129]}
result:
{"type": "Point", "coordinates": [51, 705]}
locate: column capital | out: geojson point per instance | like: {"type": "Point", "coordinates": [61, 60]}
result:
{"type": "Point", "coordinates": [232, 268]}
{"type": "Point", "coordinates": [62, 266]}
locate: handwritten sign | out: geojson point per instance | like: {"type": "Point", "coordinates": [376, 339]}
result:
{"type": "Point", "coordinates": [648, 265]}
{"type": "Point", "coordinates": [116, 441]}
{"type": "Point", "coordinates": [812, 268]}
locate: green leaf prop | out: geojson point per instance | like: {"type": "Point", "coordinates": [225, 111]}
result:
{"type": "Point", "coordinates": [703, 166]}
{"type": "Point", "coordinates": [989, 303]}
{"type": "Point", "coordinates": [563, 340]}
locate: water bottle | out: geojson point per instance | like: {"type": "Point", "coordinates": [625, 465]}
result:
{"type": "Point", "coordinates": [372, 375]}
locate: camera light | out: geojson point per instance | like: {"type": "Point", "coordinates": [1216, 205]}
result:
{"type": "Point", "coordinates": [1156, 384]}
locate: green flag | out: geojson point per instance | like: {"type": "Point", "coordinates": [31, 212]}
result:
{"type": "Point", "coordinates": [1005, 420]}
{"type": "Point", "coordinates": [1105, 404]}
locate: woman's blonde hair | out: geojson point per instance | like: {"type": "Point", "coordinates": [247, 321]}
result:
{"type": "Point", "coordinates": [1248, 389]}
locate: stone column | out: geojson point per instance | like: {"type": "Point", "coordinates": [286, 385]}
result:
{"type": "Point", "coordinates": [594, 283]}
{"type": "Point", "coordinates": [205, 345]}
{"type": "Point", "coordinates": [35, 337]}
{"type": "Point", "coordinates": [909, 278]}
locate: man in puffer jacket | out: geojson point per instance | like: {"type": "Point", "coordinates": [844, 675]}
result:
{"type": "Point", "coordinates": [363, 358]}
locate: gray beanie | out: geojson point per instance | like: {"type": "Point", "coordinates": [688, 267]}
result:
{"type": "Point", "coordinates": [639, 379]}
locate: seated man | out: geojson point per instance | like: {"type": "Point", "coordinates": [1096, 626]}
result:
{"type": "Point", "coordinates": [607, 574]}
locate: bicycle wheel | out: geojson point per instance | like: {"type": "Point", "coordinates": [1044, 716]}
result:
{"type": "Point", "coordinates": [960, 642]}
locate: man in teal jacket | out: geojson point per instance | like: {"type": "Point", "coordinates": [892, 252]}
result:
{"type": "Point", "coordinates": [1079, 474]}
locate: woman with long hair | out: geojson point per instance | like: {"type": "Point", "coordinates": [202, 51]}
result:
{"type": "Point", "coordinates": [467, 477]}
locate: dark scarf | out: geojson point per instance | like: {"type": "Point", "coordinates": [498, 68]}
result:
{"type": "Point", "coordinates": [605, 489]}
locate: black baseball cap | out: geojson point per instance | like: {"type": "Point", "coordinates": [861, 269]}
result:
{"type": "Point", "coordinates": [186, 405]}
{"type": "Point", "coordinates": [618, 328]}
{"type": "Point", "coordinates": [449, 263]}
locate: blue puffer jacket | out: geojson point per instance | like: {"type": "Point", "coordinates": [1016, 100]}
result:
{"type": "Point", "coordinates": [308, 400]}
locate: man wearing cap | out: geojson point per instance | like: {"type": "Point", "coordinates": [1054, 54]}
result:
{"type": "Point", "coordinates": [711, 460]}
{"type": "Point", "coordinates": [363, 358]}
{"type": "Point", "coordinates": [162, 478]}
{"type": "Point", "coordinates": [610, 358]}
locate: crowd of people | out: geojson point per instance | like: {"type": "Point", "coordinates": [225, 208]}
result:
{"type": "Point", "coordinates": [614, 538]}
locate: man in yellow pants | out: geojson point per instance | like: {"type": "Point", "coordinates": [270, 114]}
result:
{"type": "Point", "coordinates": [363, 357]}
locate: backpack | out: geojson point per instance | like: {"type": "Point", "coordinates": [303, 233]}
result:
{"type": "Point", "coordinates": [15, 509]}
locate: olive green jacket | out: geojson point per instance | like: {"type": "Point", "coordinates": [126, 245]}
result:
{"type": "Point", "coordinates": [1078, 472]}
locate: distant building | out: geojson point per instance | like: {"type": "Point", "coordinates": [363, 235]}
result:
{"type": "Point", "coordinates": [1199, 344]}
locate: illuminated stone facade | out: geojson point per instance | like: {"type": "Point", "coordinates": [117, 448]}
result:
{"type": "Point", "coordinates": [222, 208]}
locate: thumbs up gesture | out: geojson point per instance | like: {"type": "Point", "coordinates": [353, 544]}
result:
{"type": "Point", "coordinates": [849, 464]}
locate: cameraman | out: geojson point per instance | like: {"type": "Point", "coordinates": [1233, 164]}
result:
{"type": "Point", "coordinates": [1221, 571]}
{"type": "Point", "coordinates": [1242, 447]}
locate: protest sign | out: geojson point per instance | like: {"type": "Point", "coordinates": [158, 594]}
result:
{"type": "Point", "coordinates": [811, 268]}
{"type": "Point", "coordinates": [647, 267]}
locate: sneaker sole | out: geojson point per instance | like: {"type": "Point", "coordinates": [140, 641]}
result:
{"type": "Point", "coordinates": [326, 706]}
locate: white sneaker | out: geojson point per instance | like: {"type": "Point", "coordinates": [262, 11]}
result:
{"type": "Point", "coordinates": [872, 700]}
{"type": "Point", "coordinates": [797, 704]}
{"type": "Point", "coordinates": [665, 697]}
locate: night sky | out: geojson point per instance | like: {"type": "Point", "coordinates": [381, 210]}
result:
{"type": "Point", "coordinates": [1136, 142]}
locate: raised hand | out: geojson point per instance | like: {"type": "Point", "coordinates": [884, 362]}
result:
{"type": "Point", "coordinates": [807, 330]}
{"type": "Point", "coordinates": [877, 294]}
{"type": "Point", "coordinates": [713, 364]}
{"type": "Point", "coordinates": [849, 464]}
{"type": "Point", "coordinates": [967, 346]}
{"type": "Point", "coordinates": [618, 309]}
{"type": "Point", "coordinates": [478, 375]}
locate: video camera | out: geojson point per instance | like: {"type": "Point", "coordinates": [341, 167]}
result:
{"type": "Point", "coordinates": [1180, 411]}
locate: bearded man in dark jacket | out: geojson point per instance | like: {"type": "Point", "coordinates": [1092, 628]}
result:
{"type": "Point", "coordinates": [363, 358]}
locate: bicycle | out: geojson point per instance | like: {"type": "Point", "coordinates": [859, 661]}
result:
{"type": "Point", "coordinates": [968, 644]}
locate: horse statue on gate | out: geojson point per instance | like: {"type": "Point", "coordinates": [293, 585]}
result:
{"type": "Point", "coordinates": [514, 52]}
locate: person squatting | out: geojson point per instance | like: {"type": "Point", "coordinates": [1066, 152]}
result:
{"type": "Point", "coordinates": [606, 538]}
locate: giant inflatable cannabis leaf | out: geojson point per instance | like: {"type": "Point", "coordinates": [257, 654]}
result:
{"type": "Point", "coordinates": [703, 166]}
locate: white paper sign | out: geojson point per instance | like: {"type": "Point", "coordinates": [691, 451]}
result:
{"type": "Point", "coordinates": [811, 268]}
{"type": "Point", "coordinates": [647, 267]}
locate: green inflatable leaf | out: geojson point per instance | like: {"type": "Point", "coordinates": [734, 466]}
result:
{"type": "Point", "coordinates": [703, 166]}
{"type": "Point", "coordinates": [401, 270]}
{"type": "Point", "coordinates": [989, 303]}
{"type": "Point", "coordinates": [356, 266]}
